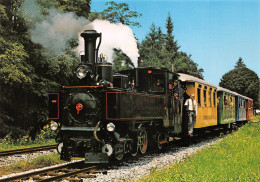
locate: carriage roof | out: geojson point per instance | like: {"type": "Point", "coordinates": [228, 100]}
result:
{"type": "Point", "coordinates": [188, 78]}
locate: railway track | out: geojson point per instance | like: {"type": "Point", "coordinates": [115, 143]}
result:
{"type": "Point", "coordinates": [70, 172]}
{"type": "Point", "coordinates": [27, 150]}
{"type": "Point", "coordinates": [77, 171]}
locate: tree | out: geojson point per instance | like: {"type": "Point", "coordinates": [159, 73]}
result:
{"type": "Point", "coordinates": [243, 81]}
{"type": "Point", "coordinates": [184, 64]}
{"type": "Point", "coordinates": [121, 61]}
{"type": "Point", "coordinates": [79, 7]}
{"type": "Point", "coordinates": [117, 13]}
{"type": "Point", "coordinates": [161, 51]}
{"type": "Point", "coordinates": [240, 63]}
{"type": "Point", "coordinates": [171, 45]}
{"type": "Point", "coordinates": [13, 67]}
{"type": "Point", "coordinates": [151, 47]}
{"type": "Point", "coordinates": [27, 73]}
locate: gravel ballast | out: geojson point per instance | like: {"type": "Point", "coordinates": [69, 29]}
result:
{"type": "Point", "coordinates": [147, 164]}
{"type": "Point", "coordinates": [133, 170]}
{"type": "Point", "coordinates": [13, 159]}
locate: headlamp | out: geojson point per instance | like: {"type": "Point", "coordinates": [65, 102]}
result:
{"type": "Point", "coordinates": [81, 72]}
{"type": "Point", "coordinates": [111, 127]}
{"type": "Point", "coordinates": [54, 126]}
{"type": "Point", "coordinates": [59, 147]}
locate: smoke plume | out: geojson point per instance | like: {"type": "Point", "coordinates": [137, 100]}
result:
{"type": "Point", "coordinates": [117, 36]}
{"type": "Point", "coordinates": [54, 30]}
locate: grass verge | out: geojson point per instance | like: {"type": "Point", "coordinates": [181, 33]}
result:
{"type": "Point", "coordinates": [13, 146]}
{"type": "Point", "coordinates": [235, 158]}
{"type": "Point", "coordinates": [38, 162]}
{"type": "Point", "coordinates": [14, 141]}
{"type": "Point", "coordinates": [255, 119]}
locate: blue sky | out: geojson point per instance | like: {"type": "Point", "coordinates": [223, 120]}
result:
{"type": "Point", "coordinates": [216, 33]}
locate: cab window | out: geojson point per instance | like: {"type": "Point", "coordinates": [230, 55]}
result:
{"type": "Point", "coordinates": [158, 85]}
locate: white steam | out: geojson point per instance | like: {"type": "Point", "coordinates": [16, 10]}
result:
{"type": "Point", "coordinates": [54, 30]}
{"type": "Point", "coordinates": [117, 36]}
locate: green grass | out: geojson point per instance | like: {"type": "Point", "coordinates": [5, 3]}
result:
{"type": "Point", "coordinates": [12, 146]}
{"type": "Point", "coordinates": [44, 137]}
{"type": "Point", "coordinates": [255, 118]}
{"type": "Point", "coordinates": [38, 162]}
{"type": "Point", "coordinates": [235, 158]}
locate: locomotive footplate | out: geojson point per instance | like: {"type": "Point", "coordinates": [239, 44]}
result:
{"type": "Point", "coordinates": [96, 158]}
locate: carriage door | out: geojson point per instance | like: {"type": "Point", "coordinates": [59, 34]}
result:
{"type": "Point", "coordinates": [170, 100]}
{"type": "Point", "coordinates": [175, 103]}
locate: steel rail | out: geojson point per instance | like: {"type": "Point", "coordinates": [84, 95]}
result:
{"type": "Point", "coordinates": [26, 150]}
{"type": "Point", "coordinates": [90, 169]}
{"type": "Point", "coordinates": [38, 172]}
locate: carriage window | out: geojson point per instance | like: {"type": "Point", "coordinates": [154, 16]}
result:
{"type": "Point", "coordinates": [214, 99]}
{"type": "Point", "coordinates": [225, 101]}
{"type": "Point", "coordinates": [199, 95]}
{"type": "Point", "coordinates": [205, 96]}
{"type": "Point", "coordinates": [210, 91]}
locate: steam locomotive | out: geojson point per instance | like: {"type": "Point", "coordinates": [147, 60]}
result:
{"type": "Point", "coordinates": [109, 115]}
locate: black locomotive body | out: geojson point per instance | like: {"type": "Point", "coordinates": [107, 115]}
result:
{"type": "Point", "coordinates": [108, 116]}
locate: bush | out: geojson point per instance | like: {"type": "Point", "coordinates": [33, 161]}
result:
{"type": "Point", "coordinates": [20, 139]}
{"type": "Point", "coordinates": [13, 131]}
{"type": "Point", "coordinates": [45, 134]}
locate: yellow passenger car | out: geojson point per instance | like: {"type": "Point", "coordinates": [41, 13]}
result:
{"type": "Point", "coordinates": [206, 98]}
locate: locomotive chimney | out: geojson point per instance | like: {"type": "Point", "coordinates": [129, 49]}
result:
{"type": "Point", "coordinates": [91, 52]}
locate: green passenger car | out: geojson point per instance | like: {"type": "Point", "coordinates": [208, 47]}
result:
{"type": "Point", "coordinates": [226, 106]}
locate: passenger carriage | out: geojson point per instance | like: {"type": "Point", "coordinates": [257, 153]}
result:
{"type": "Point", "coordinates": [226, 106]}
{"type": "Point", "coordinates": [249, 109]}
{"type": "Point", "coordinates": [240, 108]}
{"type": "Point", "coordinates": [206, 98]}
